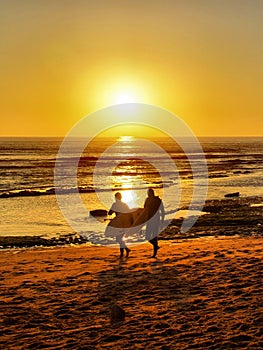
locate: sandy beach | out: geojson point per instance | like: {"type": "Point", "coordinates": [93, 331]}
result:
{"type": "Point", "coordinates": [203, 293]}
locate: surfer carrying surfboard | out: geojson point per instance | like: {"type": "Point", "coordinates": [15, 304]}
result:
{"type": "Point", "coordinates": [117, 208]}
{"type": "Point", "coordinates": [155, 214]}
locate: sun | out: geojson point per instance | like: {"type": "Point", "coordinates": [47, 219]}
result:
{"type": "Point", "coordinates": [114, 87]}
{"type": "Point", "coordinates": [121, 92]}
{"type": "Point", "coordinates": [124, 97]}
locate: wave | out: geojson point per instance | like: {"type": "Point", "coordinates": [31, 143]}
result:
{"type": "Point", "coordinates": [80, 189]}
{"type": "Point", "coordinates": [43, 192]}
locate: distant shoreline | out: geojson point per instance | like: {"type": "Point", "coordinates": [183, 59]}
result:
{"type": "Point", "coordinates": [115, 137]}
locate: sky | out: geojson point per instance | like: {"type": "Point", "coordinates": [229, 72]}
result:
{"type": "Point", "coordinates": [200, 59]}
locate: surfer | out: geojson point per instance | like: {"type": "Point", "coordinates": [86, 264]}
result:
{"type": "Point", "coordinates": [155, 215]}
{"type": "Point", "coordinates": [117, 208]}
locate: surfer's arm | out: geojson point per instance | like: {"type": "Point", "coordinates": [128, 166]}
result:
{"type": "Point", "coordinates": [162, 211]}
{"type": "Point", "coordinates": [112, 210]}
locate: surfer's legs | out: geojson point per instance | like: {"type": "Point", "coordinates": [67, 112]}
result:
{"type": "Point", "coordinates": [119, 239]}
{"type": "Point", "coordinates": [121, 252]}
{"type": "Point", "coordinates": [154, 242]}
{"type": "Point", "coordinates": [121, 243]}
{"type": "Point", "coordinates": [127, 251]}
{"type": "Point", "coordinates": [152, 230]}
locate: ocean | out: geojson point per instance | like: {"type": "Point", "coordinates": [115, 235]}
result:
{"type": "Point", "coordinates": [27, 194]}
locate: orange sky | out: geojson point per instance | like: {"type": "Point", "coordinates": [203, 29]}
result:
{"type": "Point", "coordinates": [200, 59]}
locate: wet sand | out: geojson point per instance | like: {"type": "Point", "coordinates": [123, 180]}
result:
{"type": "Point", "coordinates": [203, 293]}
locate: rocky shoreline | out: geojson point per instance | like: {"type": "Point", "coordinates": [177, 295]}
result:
{"type": "Point", "coordinates": [225, 217]}
{"type": "Point", "coordinates": [8, 242]}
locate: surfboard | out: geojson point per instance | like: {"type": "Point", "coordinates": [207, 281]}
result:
{"type": "Point", "coordinates": [123, 222]}
{"type": "Point", "coordinates": [139, 222]}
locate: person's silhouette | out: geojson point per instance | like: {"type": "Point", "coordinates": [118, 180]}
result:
{"type": "Point", "coordinates": [155, 213]}
{"type": "Point", "coordinates": [119, 207]}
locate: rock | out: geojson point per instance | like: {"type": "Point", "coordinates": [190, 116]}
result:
{"type": "Point", "coordinates": [230, 195]}
{"type": "Point", "coordinates": [98, 212]}
{"type": "Point", "coordinates": [117, 314]}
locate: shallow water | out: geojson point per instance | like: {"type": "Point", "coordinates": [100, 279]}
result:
{"type": "Point", "coordinates": [234, 165]}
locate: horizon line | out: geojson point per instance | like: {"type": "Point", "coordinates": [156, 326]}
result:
{"type": "Point", "coordinates": [61, 136]}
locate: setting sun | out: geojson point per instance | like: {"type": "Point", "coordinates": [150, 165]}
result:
{"type": "Point", "coordinates": [124, 98]}
{"type": "Point", "coordinates": [125, 90]}
{"type": "Point", "coordinates": [113, 87]}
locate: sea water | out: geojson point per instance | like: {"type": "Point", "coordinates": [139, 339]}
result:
{"type": "Point", "coordinates": [27, 194]}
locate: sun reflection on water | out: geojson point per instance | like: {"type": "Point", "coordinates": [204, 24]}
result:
{"type": "Point", "coordinates": [125, 138]}
{"type": "Point", "coordinates": [133, 175]}
{"type": "Point", "coordinates": [129, 197]}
